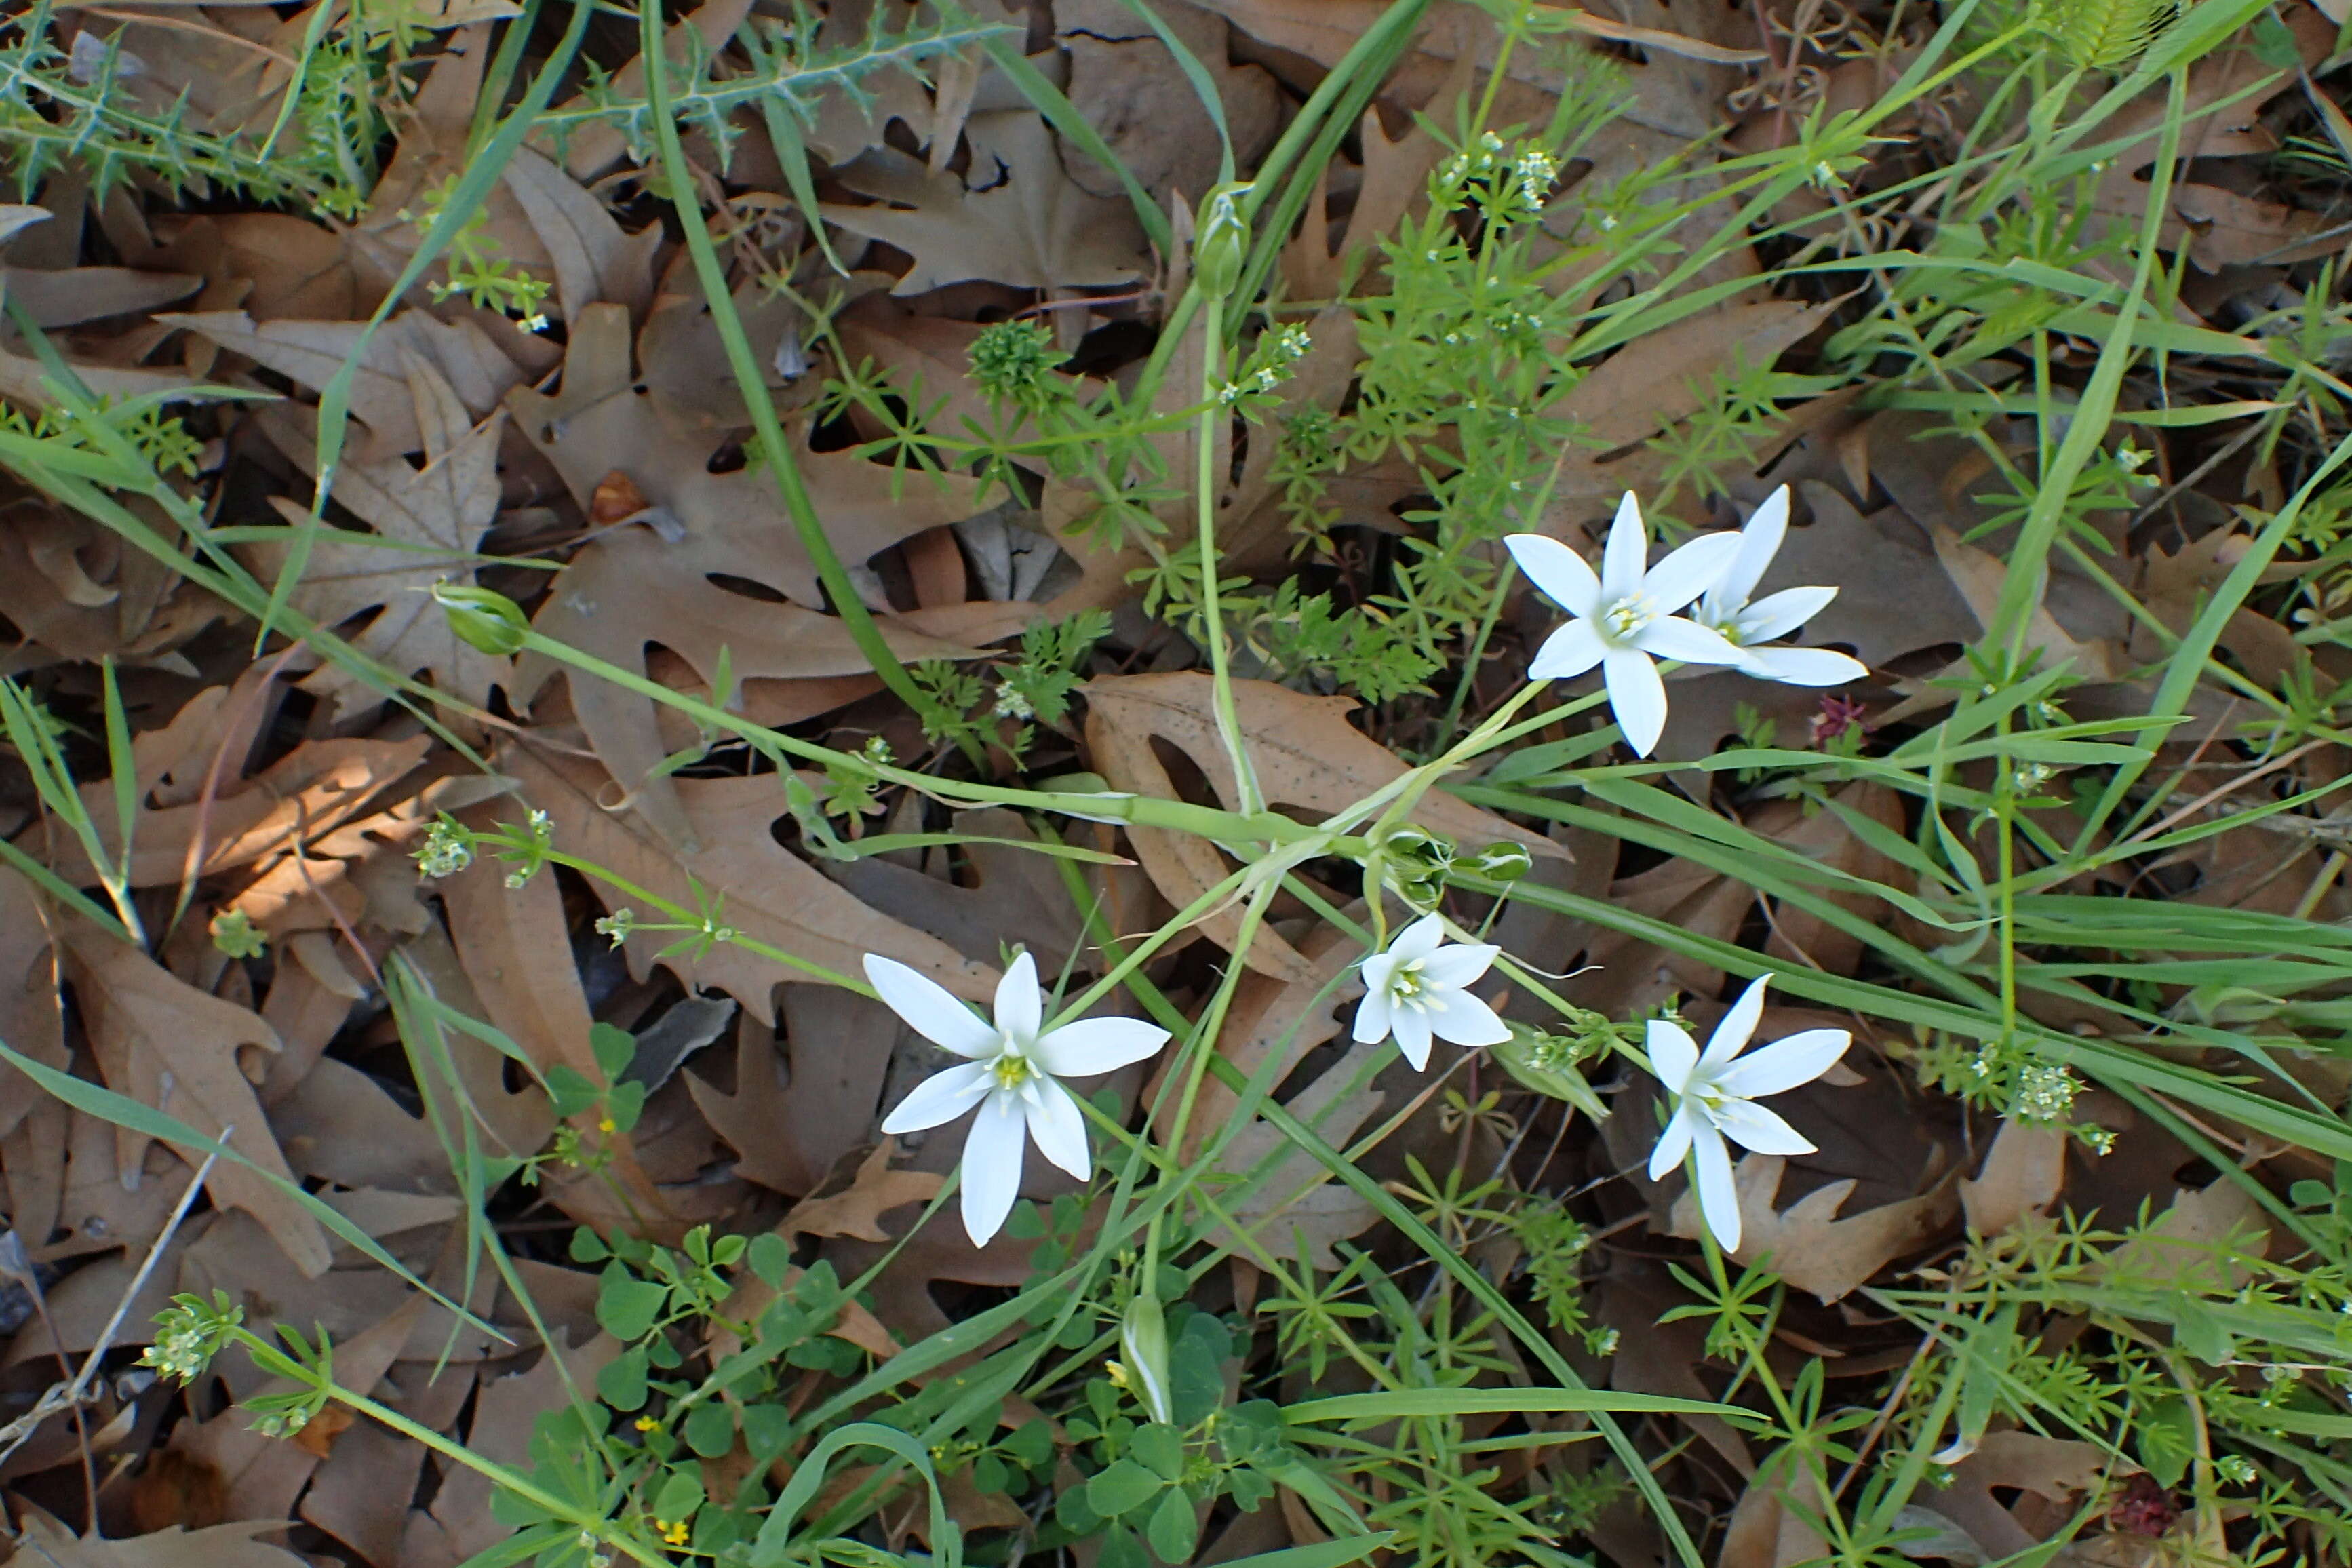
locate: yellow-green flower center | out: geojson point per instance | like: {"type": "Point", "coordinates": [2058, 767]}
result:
{"type": "Point", "coordinates": [1628, 615]}
{"type": "Point", "coordinates": [1012, 1071]}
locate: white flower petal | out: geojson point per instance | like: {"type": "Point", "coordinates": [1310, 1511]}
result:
{"type": "Point", "coordinates": [1758, 543]}
{"type": "Point", "coordinates": [941, 1098]}
{"type": "Point", "coordinates": [1753, 1127]}
{"type": "Point", "coordinates": [1803, 666]}
{"type": "Point", "coordinates": [1413, 1031]}
{"type": "Point", "coordinates": [1418, 940]}
{"type": "Point", "coordinates": [1784, 1064]}
{"type": "Point", "coordinates": [1560, 574]}
{"type": "Point", "coordinates": [1567, 652]}
{"type": "Point", "coordinates": [1671, 637]}
{"type": "Point", "coordinates": [991, 1167]}
{"type": "Point", "coordinates": [1673, 1145]}
{"type": "Point", "coordinates": [1452, 968]}
{"type": "Point", "coordinates": [1689, 572]}
{"type": "Point", "coordinates": [1094, 1046]}
{"type": "Point", "coordinates": [1625, 554]}
{"type": "Point", "coordinates": [1672, 1054]}
{"type": "Point", "coordinates": [1371, 1016]}
{"type": "Point", "coordinates": [1020, 1005]}
{"type": "Point", "coordinates": [1718, 1195]}
{"type": "Point", "coordinates": [1734, 1030]}
{"type": "Point", "coordinates": [1059, 1130]}
{"type": "Point", "coordinates": [1637, 697]}
{"type": "Point", "coordinates": [1776, 614]}
{"type": "Point", "coordinates": [1466, 1021]}
{"type": "Point", "coordinates": [929, 1009]}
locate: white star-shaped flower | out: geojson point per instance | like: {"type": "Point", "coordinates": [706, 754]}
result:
{"type": "Point", "coordinates": [1714, 1096]}
{"type": "Point", "coordinates": [1419, 989]}
{"type": "Point", "coordinates": [1012, 1073]}
{"type": "Point", "coordinates": [1725, 608]}
{"type": "Point", "coordinates": [1625, 616]}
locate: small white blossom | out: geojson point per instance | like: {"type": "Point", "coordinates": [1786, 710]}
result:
{"type": "Point", "coordinates": [1011, 1073]}
{"type": "Point", "coordinates": [1625, 616]}
{"type": "Point", "coordinates": [1726, 608]}
{"type": "Point", "coordinates": [1419, 989]}
{"type": "Point", "coordinates": [1714, 1096]}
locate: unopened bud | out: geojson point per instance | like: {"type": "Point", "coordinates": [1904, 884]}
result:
{"type": "Point", "coordinates": [1221, 241]}
{"type": "Point", "coordinates": [487, 620]}
{"type": "Point", "coordinates": [1501, 862]}
{"type": "Point", "coordinates": [1143, 1347]}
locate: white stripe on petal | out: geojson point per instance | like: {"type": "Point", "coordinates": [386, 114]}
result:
{"type": "Point", "coordinates": [1804, 665]}
{"type": "Point", "coordinates": [1418, 940]}
{"type": "Point", "coordinates": [1778, 614]}
{"type": "Point", "coordinates": [1689, 572]}
{"type": "Point", "coordinates": [1784, 1064]}
{"type": "Point", "coordinates": [1412, 1033]}
{"type": "Point", "coordinates": [1560, 574]}
{"type": "Point", "coordinates": [1718, 1195]}
{"type": "Point", "coordinates": [1059, 1130]}
{"type": "Point", "coordinates": [1751, 1126]}
{"type": "Point", "coordinates": [991, 1167]}
{"type": "Point", "coordinates": [1637, 697]}
{"type": "Point", "coordinates": [929, 1009]}
{"type": "Point", "coordinates": [1673, 1145]}
{"type": "Point", "coordinates": [1094, 1046]}
{"type": "Point", "coordinates": [1467, 1021]}
{"type": "Point", "coordinates": [1736, 1027]}
{"type": "Point", "coordinates": [1568, 653]}
{"type": "Point", "coordinates": [1758, 543]}
{"type": "Point", "coordinates": [1020, 1005]}
{"type": "Point", "coordinates": [1451, 968]}
{"type": "Point", "coordinates": [1626, 553]}
{"type": "Point", "coordinates": [1673, 1052]}
{"type": "Point", "coordinates": [941, 1098]}
{"type": "Point", "coordinates": [1671, 637]}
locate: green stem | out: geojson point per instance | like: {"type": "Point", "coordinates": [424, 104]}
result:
{"type": "Point", "coordinates": [745, 366]}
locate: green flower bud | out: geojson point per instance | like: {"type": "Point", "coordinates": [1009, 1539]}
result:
{"type": "Point", "coordinates": [1221, 241]}
{"type": "Point", "coordinates": [1502, 862]}
{"type": "Point", "coordinates": [488, 621]}
{"type": "Point", "coordinates": [1143, 1352]}
{"type": "Point", "coordinates": [1548, 1064]}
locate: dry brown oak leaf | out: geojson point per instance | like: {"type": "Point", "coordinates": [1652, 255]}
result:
{"type": "Point", "coordinates": [49, 1544]}
{"type": "Point", "coordinates": [431, 519]}
{"type": "Point", "coordinates": [1306, 755]}
{"type": "Point", "coordinates": [165, 1044]}
{"type": "Point", "coordinates": [764, 890]}
{"type": "Point", "coordinates": [635, 587]}
{"type": "Point", "coordinates": [1809, 1246]}
{"type": "Point", "coordinates": [1016, 218]}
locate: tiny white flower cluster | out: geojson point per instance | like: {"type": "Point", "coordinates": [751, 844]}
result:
{"type": "Point", "coordinates": [1625, 616]}
{"type": "Point", "coordinates": [447, 849]}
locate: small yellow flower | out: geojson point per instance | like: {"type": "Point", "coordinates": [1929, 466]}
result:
{"type": "Point", "coordinates": [673, 1531]}
{"type": "Point", "coordinates": [607, 1124]}
{"type": "Point", "coordinates": [648, 1424]}
{"type": "Point", "coordinates": [1117, 1374]}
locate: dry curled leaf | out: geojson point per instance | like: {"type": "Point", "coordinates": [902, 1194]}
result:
{"type": "Point", "coordinates": [1306, 755]}
{"type": "Point", "coordinates": [1809, 1246]}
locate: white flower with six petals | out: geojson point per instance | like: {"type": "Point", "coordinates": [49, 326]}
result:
{"type": "Point", "coordinates": [1419, 988]}
{"type": "Point", "coordinates": [1725, 608]}
{"type": "Point", "coordinates": [1714, 1096]}
{"type": "Point", "coordinates": [1011, 1072]}
{"type": "Point", "coordinates": [1625, 615]}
